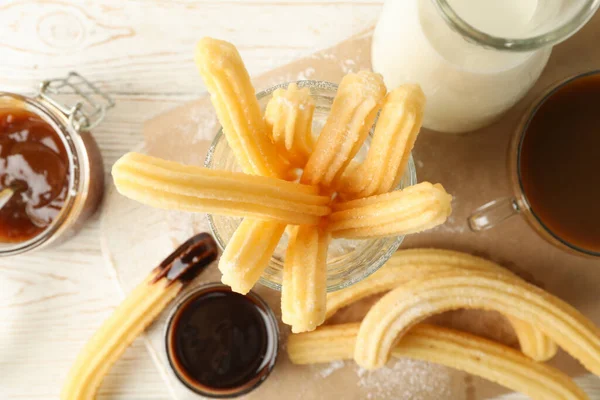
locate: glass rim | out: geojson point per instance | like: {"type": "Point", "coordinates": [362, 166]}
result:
{"type": "Point", "coordinates": [525, 44]}
{"type": "Point", "coordinates": [529, 115]}
{"type": "Point", "coordinates": [196, 292]}
{"type": "Point", "coordinates": [372, 267]}
{"type": "Point", "coordinates": [59, 123]}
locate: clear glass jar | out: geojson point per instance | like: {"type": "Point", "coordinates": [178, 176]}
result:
{"type": "Point", "coordinates": [348, 261]}
{"type": "Point", "coordinates": [473, 59]}
{"type": "Point", "coordinates": [72, 124]}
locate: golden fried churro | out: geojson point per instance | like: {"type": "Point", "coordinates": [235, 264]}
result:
{"type": "Point", "coordinates": [413, 209]}
{"type": "Point", "coordinates": [395, 134]}
{"type": "Point", "coordinates": [397, 311]}
{"type": "Point", "coordinates": [304, 286]}
{"type": "Point", "coordinates": [406, 265]}
{"type": "Point", "coordinates": [134, 315]}
{"type": "Point", "coordinates": [287, 279]}
{"type": "Point", "coordinates": [533, 342]}
{"type": "Point", "coordinates": [351, 117]}
{"type": "Point", "coordinates": [289, 119]}
{"type": "Point", "coordinates": [459, 350]}
{"type": "Point", "coordinates": [248, 253]}
{"type": "Point", "coordinates": [237, 108]}
{"type": "Point", "coordinates": [326, 344]}
{"type": "Point", "coordinates": [166, 184]}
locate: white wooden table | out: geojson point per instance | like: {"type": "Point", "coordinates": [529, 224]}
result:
{"type": "Point", "coordinates": [141, 52]}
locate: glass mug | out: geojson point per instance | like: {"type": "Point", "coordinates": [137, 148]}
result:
{"type": "Point", "coordinates": [491, 214]}
{"type": "Point", "coordinates": [348, 261]}
{"type": "Point", "coordinates": [473, 59]}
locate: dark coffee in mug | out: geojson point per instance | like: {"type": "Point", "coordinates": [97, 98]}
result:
{"type": "Point", "coordinates": [559, 163]}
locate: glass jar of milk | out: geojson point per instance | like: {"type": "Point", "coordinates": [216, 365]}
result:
{"type": "Point", "coordinates": [473, 58]}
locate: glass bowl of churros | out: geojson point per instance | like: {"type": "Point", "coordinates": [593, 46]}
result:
{"type": "Point", "coordinates": [309, 187]}
{"type": "Point", "coordinates": [348, 260]}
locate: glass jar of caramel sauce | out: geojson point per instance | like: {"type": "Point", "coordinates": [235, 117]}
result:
{"type": "Point", "coordinates": [51, 170]}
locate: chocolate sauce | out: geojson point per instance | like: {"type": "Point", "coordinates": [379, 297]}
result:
{"type": "Point", "coordinates": [35, 166]}
{"type": "Point", "coordinates": [191, 258]}
{"type": "Point", "coordinates": [222, 343]}
{"type": "Point", "coordinates": [560, 163]}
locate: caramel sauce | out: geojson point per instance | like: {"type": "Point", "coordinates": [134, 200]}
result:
{"type": "Point", "coordinates": [35, 165]}
{"type": "Point", "coordinates": [560, 163]}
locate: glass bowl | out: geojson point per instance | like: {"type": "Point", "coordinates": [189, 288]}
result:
{"type": "Point", "coordinates": [348, 261]}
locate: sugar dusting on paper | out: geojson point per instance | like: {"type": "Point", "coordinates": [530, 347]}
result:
{"type": "Point", "coordinates": [201, 125]}
{"type": "Point", "coordinates": [401, 379]}
{"type": "Point", "coordinates": [346, 65]}
{"type": "Point", "coordinates": [306, 74]}
{"type": "Point", "coordinates": [407, 379]}
{"type": "Point", "coordinates": [331, 368]}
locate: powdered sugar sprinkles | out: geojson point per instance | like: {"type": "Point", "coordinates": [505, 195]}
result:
{"type": "Point", "coordinates": [405, 379]}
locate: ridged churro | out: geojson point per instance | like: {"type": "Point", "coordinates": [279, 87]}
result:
{"type": "Point", "coordinates": [395, 134]}
{"type": "Point", "coordinates": [392, 316]}
{"type": "Point", "coordinates": [287, 279]}
{"type": "Point", "coordinates": [533, 342]}
{"type": "Point", "coordinates": [166, 184]}
{"type": "Point", "coordinates": [237, 108]}
{"type": "Point", "coordinates": [459, 350]}
{"type": "Point", "coordinates": [248, 253]}
{"type": "Point", "coordinates": [351, 117]}
{"type": "Point", "coordinates": [304, 286]}
{"type": "Point", "coordinates": [134, 315]}
{"type": "Point", "coordinates": [413, 209]}
{"type": "Point", "coordinates": [407, 265]}
{"type": "Point", "coordinates": [289, 120]}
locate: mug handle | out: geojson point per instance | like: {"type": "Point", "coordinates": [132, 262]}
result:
{"type": "Point", "coordinates": [491, 214]}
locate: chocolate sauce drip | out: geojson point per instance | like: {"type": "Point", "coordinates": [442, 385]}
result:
{"type": "Point", "coordinates": [189, 259]}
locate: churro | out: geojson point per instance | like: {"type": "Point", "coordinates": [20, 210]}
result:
{"type": "Point", "coordinates": [393, 315]}
{"type": "Point", "coordinates": [287, 279]}
{"type": "Point", "coordinates": [289, 120]}
{"type": "Point", "coordinates": [134, 315]}
{"type": "Point", "coordinates": [395, 134]}
{"type": "Point", "coordinates": [304, 286]}
{"type": "Point", "coordinates": [166, 184]}
{"type": "Point", "coordinates": [351, 117]}
{"type": "Point", "coordinates": [248, 253]}
{"type": "Point", "coordinates": [410, 264]}
{"type": "Point", "coordinates": [413, 209]}
{"type": "Point", "coordinates": [459, 350]}
{"type": "Point", "coordinates": [237, 108]}
{"type": "Point", "coordinates": [533, 342]}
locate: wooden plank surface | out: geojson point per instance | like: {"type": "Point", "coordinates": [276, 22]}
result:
{"type": "Point", "coordinates": [141, 52]}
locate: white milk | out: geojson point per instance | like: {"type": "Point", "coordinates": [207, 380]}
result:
{"type": "Point", "coordinates": [502, 18]}
{"type": "Point", "coordinates": [467, 86]}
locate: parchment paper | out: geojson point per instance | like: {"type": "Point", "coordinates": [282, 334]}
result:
{"type": "Point", "coordinates": [472, 168]}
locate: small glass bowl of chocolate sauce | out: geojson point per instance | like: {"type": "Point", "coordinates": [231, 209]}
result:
{"type": "Point", "coordinates": [51, 170]}
{"type": "Point", "coordinates": [221, 344]}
